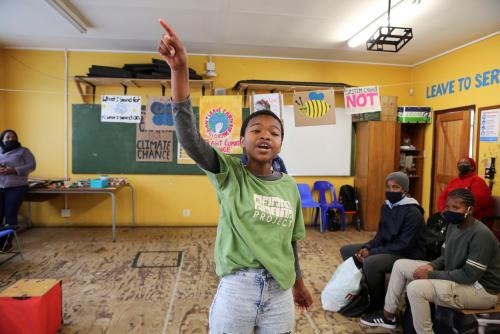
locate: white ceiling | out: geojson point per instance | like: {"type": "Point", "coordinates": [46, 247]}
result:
{"type": "Point", "coordinates": [315, 29]}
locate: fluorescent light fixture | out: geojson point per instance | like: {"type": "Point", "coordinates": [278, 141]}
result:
{"type": "Point", "coordinates": [364, 34]}
{"type": "Point", "coordinates": [68, 14]}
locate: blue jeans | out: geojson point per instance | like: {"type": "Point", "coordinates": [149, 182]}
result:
{"type": "Point", "coordinates": [10, 202]}
{"type": "Point", "coordinates": [251, 300]}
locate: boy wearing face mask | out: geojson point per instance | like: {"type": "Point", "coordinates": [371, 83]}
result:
{"type": "Point", "coordinates": [466, 275]}
{"type": "Point", "coordinates": [399, 236]}
{"type": "Point", "coordinates": [467, 178]}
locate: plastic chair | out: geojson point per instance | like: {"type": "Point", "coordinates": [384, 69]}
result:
{"type": "Point", "coordinates": [323, 187]}
{"type": "Point", "coordinates": [356, 216]}
{"type": "Point", "coordinates": [12, 232]}
{"type": "Point", "coordinates": [308, 201]}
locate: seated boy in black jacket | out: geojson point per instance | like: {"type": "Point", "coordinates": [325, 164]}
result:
{"type": "Point", "coordinates": [399, 236]}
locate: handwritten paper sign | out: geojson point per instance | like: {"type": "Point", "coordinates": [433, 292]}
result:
{"type": "Point", "coordinates": [153, 145]}
{"type": "Point", "coordinates": [220, 122]}
{"type": "Point", "coordinates": [120, 108]}
{"type": "Point", "coordinates": [159, 114]}
{"type": "Point", "coordinates": [359, 100]}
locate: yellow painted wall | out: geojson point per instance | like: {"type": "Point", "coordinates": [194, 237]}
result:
{"type": "Point", "coordinates": [38, 115]}
{"type": "Point", "coordinates": [2, 75]}
{"type": "Point", "coordinates": [468, 61]}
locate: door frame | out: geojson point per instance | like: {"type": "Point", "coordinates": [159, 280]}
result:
{"type": "Point", "coordinates": [434, 132]}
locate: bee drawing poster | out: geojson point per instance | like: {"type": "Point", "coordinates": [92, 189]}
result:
{"type": "Point", "coordinates": [273, 102]}
{"type": "Point", "coordinates": [220, 122]}
{"type": "Point", "coordinates": [159, 114]}
{"type": "Point", "coordinates": [314, 108]}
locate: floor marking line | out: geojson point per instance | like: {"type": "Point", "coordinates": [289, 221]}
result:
{"type": "Point", "coordinates": [312, 323]}
{"type": "Point", "coordinates": [172, 298]}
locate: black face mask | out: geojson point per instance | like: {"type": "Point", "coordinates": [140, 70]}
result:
{"type": "Point", "coordinates": [454, 217]}
{"type": "Point", "coordinates": [10, 145]}
{"type": "Point", "coordinates": [464, 169]}
{"type": "Point", "coordinates": [394, 196]}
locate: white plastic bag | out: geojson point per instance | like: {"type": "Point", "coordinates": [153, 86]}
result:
{"type": "Point", "coordinates": [344, 284]}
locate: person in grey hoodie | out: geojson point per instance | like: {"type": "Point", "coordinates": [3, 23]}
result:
{"type": "Point", "coordinates": [399, 236]}
{"type": "Point", "coordinates": [16, 162]}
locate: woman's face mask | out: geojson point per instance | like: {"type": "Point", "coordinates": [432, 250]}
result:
{"type": "Point", "coordinates": [10, 144]}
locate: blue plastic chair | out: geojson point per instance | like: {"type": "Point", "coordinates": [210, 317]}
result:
{"type": "Point", "coordinates": [12, 232]}
{"type": "Point", "coordinates": [322, 187]}
{"type": "Point", "coordinates": [308, 201]}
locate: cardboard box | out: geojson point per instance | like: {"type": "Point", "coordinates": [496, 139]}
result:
{"type": "Point", "coordinates": [414, 114]}
{"type": "Point", "coordinates": [31, 306]}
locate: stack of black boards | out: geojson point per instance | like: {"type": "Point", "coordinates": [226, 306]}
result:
{"type": "Point", "coordinates": [158, 69]}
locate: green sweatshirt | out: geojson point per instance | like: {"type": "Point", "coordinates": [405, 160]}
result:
{"type": "Point", "coordinates": [259, 219]}
{"type": "Point", "coordinates": [469, 256]}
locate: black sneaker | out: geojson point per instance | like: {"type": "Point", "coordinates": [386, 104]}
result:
{"type": "Point", "coordinates": [378, 320]}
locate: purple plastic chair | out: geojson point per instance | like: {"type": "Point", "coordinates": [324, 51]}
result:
{"type": "Point", "coordinates": [308, 201]}
{"type": "Point", "coordinates": [322, 187]}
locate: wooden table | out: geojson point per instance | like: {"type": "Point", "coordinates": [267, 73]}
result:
{"type": "Point", "coordinates": [34, 192]}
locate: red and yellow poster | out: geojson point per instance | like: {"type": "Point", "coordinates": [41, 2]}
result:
{"type": "Point", "coordinates": [220, 122]}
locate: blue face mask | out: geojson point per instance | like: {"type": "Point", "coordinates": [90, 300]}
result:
{"type": "Point", "coordinates": [394, 196]}
{"type": "Point", "coordinates": [456, 218]}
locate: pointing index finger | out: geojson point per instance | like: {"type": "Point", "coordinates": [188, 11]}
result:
{"type": "Point", "coordinates": [166, 27]}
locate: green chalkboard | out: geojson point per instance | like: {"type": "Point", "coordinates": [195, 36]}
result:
{"type": "Point", "coordinates": [109, 148]}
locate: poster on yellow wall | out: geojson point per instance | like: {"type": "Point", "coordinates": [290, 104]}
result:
{"type": "Point", "coordinates": [153, 145]}
{"type": "Point", "coordinates": [359, 100]}
{"type": "Point", "coordinates": [159, 114]}
{"type": "Point", "coordinates": [220, 122]}
{"type": "Point", "coordinates": [120, 108]}
{"type": "Point", "coordinates": [490, 121]}
{"type": "Point", "coordinates": [314, 108]}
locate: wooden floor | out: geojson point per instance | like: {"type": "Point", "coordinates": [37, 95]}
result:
{"type": "Point", "coordinates": [105, 290]}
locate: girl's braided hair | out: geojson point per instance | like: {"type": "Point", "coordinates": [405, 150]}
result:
{"type": "Point", "coordinates": [464, 194]}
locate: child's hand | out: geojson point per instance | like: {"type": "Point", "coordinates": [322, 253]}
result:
{"type": "Point", "coordinates": [301, 295]}
{"type": "Point", "coordinates": [171, 48]}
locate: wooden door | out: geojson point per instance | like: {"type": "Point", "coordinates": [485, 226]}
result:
{"type": "Point", "coordinates": [451, 142]}
{"type": "Point", "coordinates": [375, 147]}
